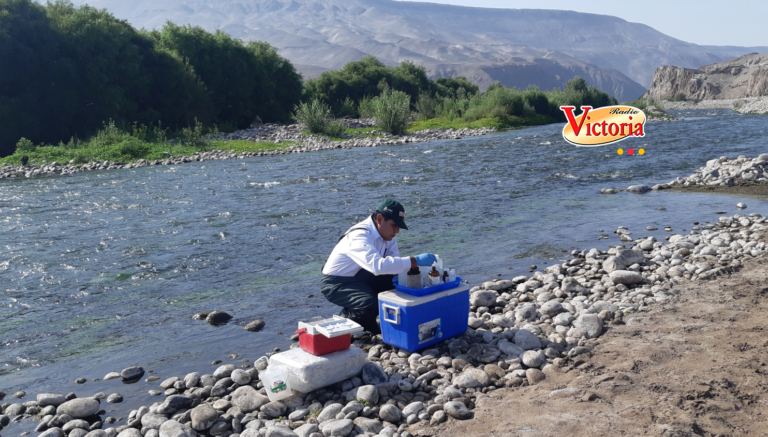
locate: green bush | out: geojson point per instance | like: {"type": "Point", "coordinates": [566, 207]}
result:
{"type": "Point", "coordinates": [426, 106]}
{"type": "Point", "coordinates": [335, 129]}
{"type": "Point", "coordinates": [679, 97]}
{"type": "Point", "coordinates": [391, 111]}
{"type": "Point", "coordinates": [25, 146]}
{"type": "Point", "coordinates": [347, 108]}
{"type": "Point", "coordinates": [316, 115]}
{"type": "Point", "coordinates": [366, 108]}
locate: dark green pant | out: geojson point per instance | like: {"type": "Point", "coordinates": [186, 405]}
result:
{"type": "Point", "coordinates": [358, 295]}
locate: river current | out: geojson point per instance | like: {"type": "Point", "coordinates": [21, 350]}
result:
{"type": "Point", "coordinates": [104, 270]}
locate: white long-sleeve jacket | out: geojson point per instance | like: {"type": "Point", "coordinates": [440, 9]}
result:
{"type": "Point", "coordinates": [363, 248]}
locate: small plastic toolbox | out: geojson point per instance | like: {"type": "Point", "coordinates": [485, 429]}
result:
{"type": "Point", "coordinates": [328, 335]}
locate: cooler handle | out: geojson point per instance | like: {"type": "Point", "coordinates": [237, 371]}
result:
{"type": "Point", "coordinates": [396, 311]}
{"type": "Point", "coordinates": [301, 331]}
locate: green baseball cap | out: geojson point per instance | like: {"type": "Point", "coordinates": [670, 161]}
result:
{"type": "Point", "coordinates": [392, 209]}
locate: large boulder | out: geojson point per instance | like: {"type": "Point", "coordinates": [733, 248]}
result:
{"type": "Point", "coordinates": [79, 408]}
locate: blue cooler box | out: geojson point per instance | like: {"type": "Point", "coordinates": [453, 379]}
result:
{"type": "Point", "coordinates": [415, 322]}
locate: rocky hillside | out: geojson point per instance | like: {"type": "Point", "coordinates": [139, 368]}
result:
{"type": "Point", "coordinates": [742, 77]}
{"type": "Point", "coordinates": [516, 46]}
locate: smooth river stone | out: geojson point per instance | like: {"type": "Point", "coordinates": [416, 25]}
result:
{"type": "Point", "coordinates": [79, 408]}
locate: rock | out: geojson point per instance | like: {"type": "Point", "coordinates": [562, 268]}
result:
{"type": "Point", "coordinates": [629, 257]}
{"type": "Point", "coordinates": [115, 398]}
{"type": "Point", "coordinates": [132, 374]}
{"type": "Point", "coordinates": [152, 421]}
{"type": "Point", "coordinates": [329, 412]}
{"type": "Point", "coordinates": [591, 325]}
{"type": "Point", "coordinates": [76, 423]}
{"type": "Point", "coordinates": [413, 408]}
{"type": "Point", "coordinates": [240, 377]}
{"type": "Point", "coordinates": [224, 371]}
{"type": "Point", "coordinates": [218, 318]}
{"type": "Point", "coordinates": [45, 399]}
{"type": "Point", "coordinates": [168, 383]}
{"type": "Point", "coordinates": [373, 374]}
{"type": "Point", "coordinates": [457, 410]}
{"type": "Point", "coordinates": [306, 429]}
{"type": "Point", "coordinates": [438, 418]}
{"type": "Point", "coordinates": [192, 380]}
{"type": "Point", "coordinates": [510, 349]}
{"type": "Point", "coordinates": [369, 394]}
{"type": "Point", "coordinates": [534, 376]}
{"type": "Point", "coordinates": [525, 313]}
{"type": "Point", "coordinates": [484, 353]}
{"type": "Point", "coordinates": [79, 408]}
{"type": "Point", "coordinates": [479, 374]}
{"type": "Point", "coordinates": [279, 431]}
{"type": "Point", "coordinates": [372, 426]}
{"type": "Point", "coordinates": [130, 432]}
{"type": "Point", "coordinates": [338, 428]}
{"type": "Point", "coordinates": [174, 403]}
{"type": "Point", "coordinates": [640, 188]}
{"type": "Point", "coordinates": [203, 417]}
{"type": "Point", "coordinates": [533, 358]}
{"type": "Point", "coordinates": [53, 432]}
{"type": "Point", "coordinates": [247, 399]}
{"type": "Point", "coordinates": [551, 308]}
{"type": "Point", "coordinates": [256, 325]}
{"type": "Point", "coordinates": [483, 298]}
{"type": "Point", "coordinates": [626, 277]}
{"type": "Point", "coordinates": [741, 205]}
{"type": "Point", "coordinates": [466, 381]}
{"type": "Point", "coordinates": [526, 340]}
{"type": "Point", "coordinates": [390, 413]}
{"type": "Point", "coordinates": [173, 428]}
{"type": "Point", "coordinates": [274, 409]}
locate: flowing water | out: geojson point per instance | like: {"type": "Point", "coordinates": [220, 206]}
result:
{"type": "Point", "coordinates": [104, 270]}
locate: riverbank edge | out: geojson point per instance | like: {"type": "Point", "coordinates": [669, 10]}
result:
{"type": "Point", "coordinates": [276, 133]}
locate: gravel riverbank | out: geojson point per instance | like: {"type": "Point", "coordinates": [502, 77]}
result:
{"type": "Point", "coordinates": [269, 132]}
{"type": "Point", "coordinates": [521, 331]}
{"type": "Point", "coordinates": [745, 105]}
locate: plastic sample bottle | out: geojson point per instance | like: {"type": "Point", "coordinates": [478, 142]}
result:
{"type": "Point", "coordinates": [451, 275]}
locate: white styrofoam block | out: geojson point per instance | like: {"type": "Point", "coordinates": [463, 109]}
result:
{"type": "Point", "coordinates": [307, 372]}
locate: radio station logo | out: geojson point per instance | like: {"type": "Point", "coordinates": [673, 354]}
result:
{"type": "Point", "coordinates": [602, 126]}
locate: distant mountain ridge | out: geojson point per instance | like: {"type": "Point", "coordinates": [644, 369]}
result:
{"type": "Point", "coordinates": [516, 46]}
{"type": "Point", "coordinates": [742, 77]}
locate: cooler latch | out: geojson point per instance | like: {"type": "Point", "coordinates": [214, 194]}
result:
{"type": "Point", "coordinates": [391, 314]}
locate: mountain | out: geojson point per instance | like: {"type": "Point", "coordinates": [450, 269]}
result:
{"type": "Point", "coordinates": [516, 46]}
{"type": "Point", "coordinates": [745, 76]}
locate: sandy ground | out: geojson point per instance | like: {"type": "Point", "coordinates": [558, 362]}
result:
{"type": "Point", "coordinates": [694, 366]}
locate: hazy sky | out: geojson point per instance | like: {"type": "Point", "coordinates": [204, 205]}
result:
{"type": "Point", "coordinates": [705, 22]}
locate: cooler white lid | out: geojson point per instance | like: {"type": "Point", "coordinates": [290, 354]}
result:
{"type": "Point", "coordinates": [407, 300]}
{"type": "Point", "coordinates": [333, 327]}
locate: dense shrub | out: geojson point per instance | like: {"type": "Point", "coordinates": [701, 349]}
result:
{"type": "Point", "coordinates": [66, 69]}
{"type": "Point", "coordinates": [391, 111]}
{"type": "Point", "coordinates": [315, 115]}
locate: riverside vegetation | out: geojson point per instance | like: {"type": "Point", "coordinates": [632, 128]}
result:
{"type": "Point", "coordinates": [150, 94]}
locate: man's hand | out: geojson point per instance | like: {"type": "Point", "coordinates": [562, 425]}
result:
{"type": "Point", "coordinates": [425, 259]}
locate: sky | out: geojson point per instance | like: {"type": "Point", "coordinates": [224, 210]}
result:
{"type": "Point", "coordinates": [704, 22]}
